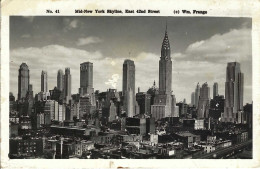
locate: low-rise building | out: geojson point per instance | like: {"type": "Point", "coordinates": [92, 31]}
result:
{"type": "Point", "coordinates": [29, 147]}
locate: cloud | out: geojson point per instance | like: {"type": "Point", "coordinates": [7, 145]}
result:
{"type": "Point", "coordinates": [230, 46]}
{"type": "Point", "coordinates": [113, 81]}
{"type": "Point", "coordinates": [88, 40]}
{"type": "Point", "coordinates": [70, 24]}
{"type": "Point", "coordinates": [206, 60]}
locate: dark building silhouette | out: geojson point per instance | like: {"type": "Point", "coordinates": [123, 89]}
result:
{"type": "Point", "coordinates": [234, 89]}
{"type": "Point", "coordinates": [183, 109]}
{"type": "Point", "coordinates": [23, 81]}
{"type": "Point", "coordinates": [193, 98]}
{"type": "Point", "coordinates": [44, 81]}
{"type": "Point", "coordinates": [215, 89]}
{"type": "Point", "coordinates": [129, 87]}
{"type": "Point", "coordinates": [56, 95]}
{"type": "Point", "coordinates": [216, 107]}
{"type": "Point", "coordinates": [67, 85]}
{"type": "Point", "coordinates": [29, 100]}
{"type": "Point", "coordinates": [12, 103]}
{"type": "Point", "coordinates": [144, 101]}
{"type": "Point", "coordinates": [248, 111]}
{"type": "Point", "coordinates": [152, 91]}
{"type": "Point", "coordinates": [60, 80]}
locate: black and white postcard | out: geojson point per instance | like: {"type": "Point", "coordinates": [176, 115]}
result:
{"type": "Point", "coordinates": [123, 84]}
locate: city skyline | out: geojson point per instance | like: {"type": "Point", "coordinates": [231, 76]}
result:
{"type": "Point", "coordinates": [131, 125]}
{"type": "Point", "coordinates": [183, 68]}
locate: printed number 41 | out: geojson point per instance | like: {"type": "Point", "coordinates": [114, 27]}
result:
{"type": "Point", "coordinates": [57, 11]}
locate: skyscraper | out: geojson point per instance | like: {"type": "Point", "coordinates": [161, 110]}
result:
{"type": "Point", "coordinates": [44, 82]}
{"type": "Point", "coordinates": [60, 80]}
{"type": "Point", "coordinates": [165, 67]}
{"type": "Point", "coordinates": [129, 87]}
{"type": "Point", "coordinates": [29, 100]}
{"type": "Point", "coordinates": [204, 101]}
{"type": "Point", "coordinates": [234, 89]}
{"type": "Point", "coordinates": [86, 81]}
{"type": "Point", "coordinates": [67, 85]}
{"type": "Point", "coordinates": [23, 81]}
{"type": "Point", "coordinates": [86, 75]}
{"type": "Point", "coordinates": [215, 89]}
{"type": "Point", "coordinates": [163, 106]}
{"type": "Point", "coordinates": [192, 98]}
{"type": "Point", "coordinates": [197, 95]}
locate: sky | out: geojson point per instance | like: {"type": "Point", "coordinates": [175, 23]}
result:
{"type": "Point", "coordinates": [201, 47]}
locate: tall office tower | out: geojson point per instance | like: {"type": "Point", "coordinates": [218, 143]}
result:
{"type": "Point", "coordinates": [163, 100]}
{"type": "Point", "coordinates": [204, 102]}
{"type": "Point", "coordinates": [60, 80]}
{"type": "Point", "coordinates": [234, 89]}
{"type": "Point", "coordinates": [44, 81]}
{"type": "Point", "coordinates": [30, 100]}
{"type": "Point", "coordinates": [192, 98]}
{"type": "Point", "coordinates": [23, 81]}
{"type": "Point", "coordinates": [129, 87]}
{"type": "Point", "coordinates": [215, 90]}
{"type": "Point", "coordinates": [86, 81]}
{"type": "Point", "coordinates": [197, 95]}
{"type": "Point", "coordinates": [67, 85]}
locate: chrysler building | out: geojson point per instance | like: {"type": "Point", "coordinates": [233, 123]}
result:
{"type": "Point", "coordinates": [164, 101]}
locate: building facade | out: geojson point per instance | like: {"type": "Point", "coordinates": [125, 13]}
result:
{"type": "Point", "coordinates": [215, 89]}
{"type": "Point", "coordinates": [204, 102]}
{"type": "Point", "coordinates": [192, 98]}
{"type": "Point", "coordinates": [86, 81]}
{"type": "Point", "coordinates": [60, 80]}
{"type": "Point", "coordinates": [67, 85]}
{"type": "Point", "coordinates": [129, 87]}
{"type": "Point", "coordinates": [44, 81]}
{"type": "Point", "coordinates": [163, 101]}
{"type": "Point", "coordinates": [23, 81]}
{"type": "Point", "coordinates": [197, 95]}
{"type": "Point", "coordinates": [234, 89]}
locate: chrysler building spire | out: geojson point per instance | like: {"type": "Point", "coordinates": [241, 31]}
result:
{"type": "Point", "coordinates": [165, 50]}
{"type": "Point", "coordinates": [165, 66]}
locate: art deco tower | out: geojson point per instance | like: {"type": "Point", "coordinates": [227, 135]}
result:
{"type": "Point", "coordinates": [23, 81]}
{"type": "Point", "coordinates": [129, 87]}
{"type": "Point", "coordinates": [44, 82]}
{"type": "Point", "coordinates": [234, 89]}
{"type": "Point", "coordinates": [60, 80]}
{"type": "Point", "coordinates": [164, 100]}
{"type": "Point", "coordinates": [165, 67]}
